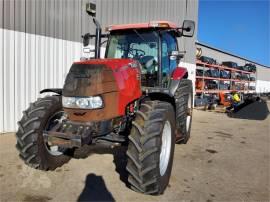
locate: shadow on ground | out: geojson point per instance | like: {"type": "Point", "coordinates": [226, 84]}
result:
{"type": "Point", "coordinates": [253, 111]}
{"type": "Point", "coordinates": [95, 188]}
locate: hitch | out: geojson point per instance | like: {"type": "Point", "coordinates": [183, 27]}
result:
{"type": "Point", "coordinates": [69, 134]}
{"type": "Point", "coordinates": [62, 139]}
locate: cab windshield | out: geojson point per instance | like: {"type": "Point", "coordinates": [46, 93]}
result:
{"type": "Point", "coordinates": [139, 45]}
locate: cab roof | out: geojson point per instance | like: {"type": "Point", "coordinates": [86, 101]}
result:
{"type": "Point", "coordinates": [146, 25]}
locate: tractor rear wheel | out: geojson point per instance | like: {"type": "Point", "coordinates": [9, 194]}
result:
{"type": "Point", "coordinates": [184, 107]}
{"type": "Point", "coordinates": [151, 147]}
{"type": "Point", "coordinates": [34, 150]}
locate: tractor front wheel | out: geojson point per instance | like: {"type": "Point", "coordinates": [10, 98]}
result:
{"type": "Point", "coordinates": [151, 148]}
{"type": "Point", "coordinates": [41, 116]}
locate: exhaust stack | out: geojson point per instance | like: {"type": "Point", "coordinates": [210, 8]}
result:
{"type": "Point", "coordinates": [91, 10]}
{"type": "Point", "coordinates": [98, 38]}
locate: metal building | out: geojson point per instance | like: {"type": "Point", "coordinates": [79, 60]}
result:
{"type": "Point", "coordinates": [262, 84]}
{"type": "Point", "coordinates": [39, 39]}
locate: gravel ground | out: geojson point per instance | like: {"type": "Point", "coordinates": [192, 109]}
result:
{"type": "Point", "coordinates": [226, 159]}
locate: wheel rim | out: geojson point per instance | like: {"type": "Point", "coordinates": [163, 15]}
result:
{"type": "Point", "coordinates": [53, 120]}
{"type": "Point", "coordinates": [165, 148]}
{"type": "Point", "coordinates": [189, 112]}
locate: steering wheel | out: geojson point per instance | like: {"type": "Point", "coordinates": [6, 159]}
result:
{"type": "Point", "coordinates": [148, 63]}
{"type": "Point", "coordinates": [136, 52]}
{"type": "Point", "coordinates": [133, 51]}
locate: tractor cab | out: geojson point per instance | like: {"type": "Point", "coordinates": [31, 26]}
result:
{"type": "Point", "coordinates": [151, 44]}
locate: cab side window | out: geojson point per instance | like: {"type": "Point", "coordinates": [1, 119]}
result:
{"type": "Point", "coordinates": [169, 43]}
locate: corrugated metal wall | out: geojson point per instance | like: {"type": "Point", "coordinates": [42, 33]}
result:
{"type": "Point", "coordinates": [33, 53]}
{"type": "Point", "coordinates": [39, 39]}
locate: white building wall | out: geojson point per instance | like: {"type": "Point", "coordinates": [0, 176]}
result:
{"type": "Point", "coordinates": [191, 68]}
{"type": "Point", "coordinates": [1, 82]}
{"type": "Point", "coordinates": [30, 63]}
{"type": "Point", "coordinates": [262, 86]}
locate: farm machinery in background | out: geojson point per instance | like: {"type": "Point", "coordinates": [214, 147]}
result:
{"type": "Point", "coordinates": [217, 82]}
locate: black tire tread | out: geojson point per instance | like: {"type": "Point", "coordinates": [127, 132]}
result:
{"type": "Point", "coordinates": [29, 131]}
{"type": "Point", "coordinates": [181, 100]}
{"type": "Point", "coordinates": [142, 163]}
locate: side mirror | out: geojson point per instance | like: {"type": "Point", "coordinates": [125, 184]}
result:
{"type": "Point", "coordinates": [86, 50]}
{"type": "Point", "coordinates": [188, 28]}
{"type": "Point", "coordinates": [86, 39]}
{"type": "Point", "coordinates": [90, 53]}
{"type": "Point", "coordinates": [176, 55]}
{"type": "Point", "coordinates": [91, 9]}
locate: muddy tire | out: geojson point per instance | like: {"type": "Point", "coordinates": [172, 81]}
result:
{"type": "Point", "coordinates": [184, 102]}
{"type": "Point", "coordinates": [30, 142]}
{"type": "Point", "coordinates": [151, 148]}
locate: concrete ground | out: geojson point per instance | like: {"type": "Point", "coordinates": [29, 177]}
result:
{"type": "Point", "coordinates": [226, 159]}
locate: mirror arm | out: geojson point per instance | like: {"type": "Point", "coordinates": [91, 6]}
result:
{"type": "Point", "coordinates": [105, 35]}
{"type": "Point", "coordinates": [183, 29]}
{"type": "Point", "coordinates": [103, 42]}
{"type": "Point", "coordinates": [179, 31]}
{"type": "Point", "coordinates": [93, 35]}
{"type": "Point", "coordinates": [87, 35]}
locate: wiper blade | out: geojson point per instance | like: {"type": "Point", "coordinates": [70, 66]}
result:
{"type": "Point", "coordinates": [139, 35]}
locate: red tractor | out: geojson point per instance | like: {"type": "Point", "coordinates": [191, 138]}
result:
{"type": "Point", "coordinates": [136, 96]}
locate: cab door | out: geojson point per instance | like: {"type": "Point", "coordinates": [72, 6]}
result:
{"type": "Point", "coordinates": [168, 44]}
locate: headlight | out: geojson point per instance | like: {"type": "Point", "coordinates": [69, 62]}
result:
{"type": "Point", "coordinates": [94, 102]}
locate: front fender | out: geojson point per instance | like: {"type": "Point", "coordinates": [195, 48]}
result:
{"type": "Point", "coordinates": [58, 91]}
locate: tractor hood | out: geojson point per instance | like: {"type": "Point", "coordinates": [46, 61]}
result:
{"type": "Point", "coordinates": [94, 77]}
{"type": "Point", "coordinates": [116, 81]}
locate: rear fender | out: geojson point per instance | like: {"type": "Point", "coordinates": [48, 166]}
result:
{"type": "Point", "coordinates": [178, 74]}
